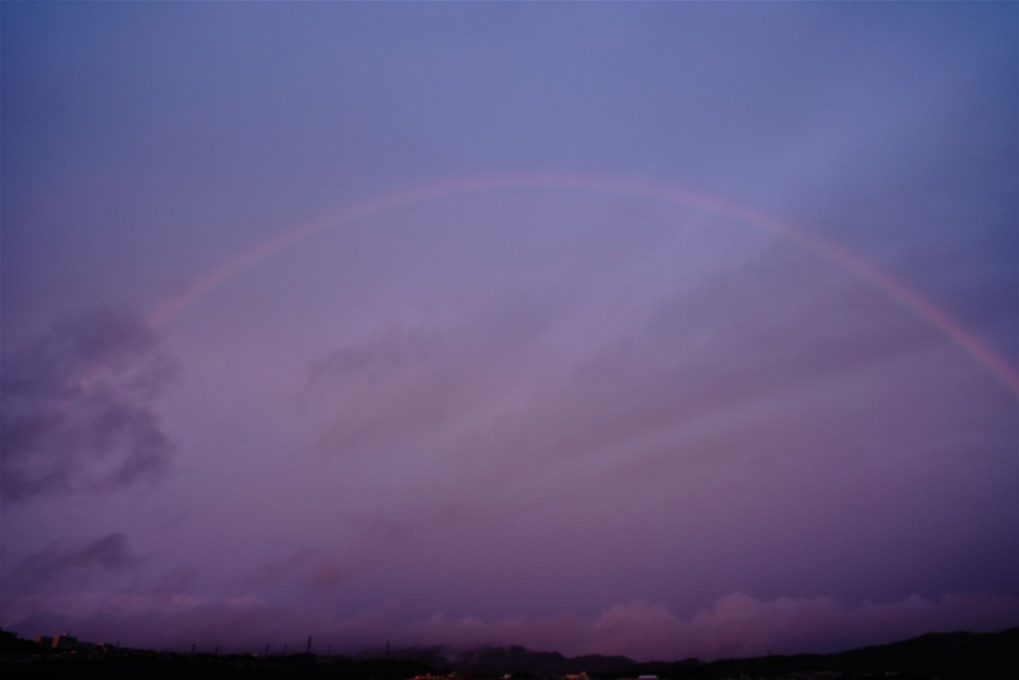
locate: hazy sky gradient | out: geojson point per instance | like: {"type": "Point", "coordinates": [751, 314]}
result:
{"type": "Point", "coordinates": [573, 415]}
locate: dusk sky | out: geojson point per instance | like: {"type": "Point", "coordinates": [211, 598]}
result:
{"type": "Point", "coordinates": [657, 329]}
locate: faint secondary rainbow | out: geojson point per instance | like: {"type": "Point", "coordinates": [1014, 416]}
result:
{"type": "Point", "coordinates": [810, 241]}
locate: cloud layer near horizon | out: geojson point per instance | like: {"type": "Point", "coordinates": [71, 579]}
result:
{"type": "Point", "coordinates": [737, 625]}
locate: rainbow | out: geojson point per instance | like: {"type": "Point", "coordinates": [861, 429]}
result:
{"type": "Point", "coordinates": [818, 245]}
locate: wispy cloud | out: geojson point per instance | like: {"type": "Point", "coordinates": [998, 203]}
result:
{"type": "Point", "coordinates": [111, 552]}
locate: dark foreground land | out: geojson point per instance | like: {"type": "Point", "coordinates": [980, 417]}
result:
{"type": "Point", "coordinates": [937, 655]}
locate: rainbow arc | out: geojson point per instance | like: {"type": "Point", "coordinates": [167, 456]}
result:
{"type": "Point", "coordinates": [812, 242]}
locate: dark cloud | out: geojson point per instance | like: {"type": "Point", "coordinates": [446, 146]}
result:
{"type": "Point", "coordinates": [311, 568]}
{"type": "Point", "coordinates": [108, 553]}
{"type": "Point", "coordinates": [78, 408]}
{"type": "Point", "coordinates": [388, 350]}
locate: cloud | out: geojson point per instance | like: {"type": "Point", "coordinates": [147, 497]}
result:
{"type": "Point", "coordinates": [629, 357]}
{"type": "Point", "coordinates": [311, 568]}
{"type": "Point", "coordinates": [108, 553]}
{"type": "Point", "coordinates": [406, 386]}
{"type": "Point", "coordinates": [78, 408]}
{"type": "Point", "coordinates": [737, 625]}
{"type": "Point", "coordinates": [178, 580]}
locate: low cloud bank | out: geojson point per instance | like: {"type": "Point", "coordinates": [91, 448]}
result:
{"type": "Point", "coordinates": [737, 625]}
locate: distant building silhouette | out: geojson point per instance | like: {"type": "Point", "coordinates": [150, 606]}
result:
{"type": "Point", "coordinates": [65, 641]}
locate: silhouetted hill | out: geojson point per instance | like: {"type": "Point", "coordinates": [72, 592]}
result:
{"type": "Point", "coordinates": [935, 655]}
{"type": "Point", "coordinates": [945, 656]}
{"type": "Point", "coordinates": [941, 655]}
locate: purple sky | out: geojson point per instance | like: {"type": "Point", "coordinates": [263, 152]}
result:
{"type": "Point", "coordinates": [284, 352]}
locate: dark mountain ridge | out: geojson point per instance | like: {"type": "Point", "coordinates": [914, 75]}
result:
{"type": "Point", "coordinates": [934, 655]}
